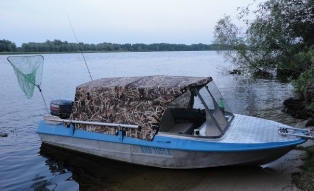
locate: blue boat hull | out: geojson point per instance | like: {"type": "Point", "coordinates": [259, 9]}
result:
{"type": "Point", "coordinates": [165, 151]}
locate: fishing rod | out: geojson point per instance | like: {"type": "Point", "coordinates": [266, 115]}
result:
{"type": "Point", "coordinates": [79, 45]}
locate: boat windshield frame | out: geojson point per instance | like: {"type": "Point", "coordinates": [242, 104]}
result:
{"type": "Point", "coordinates": [218, 113]}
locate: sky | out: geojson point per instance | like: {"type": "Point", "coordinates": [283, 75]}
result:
{"type": "Point", "coordinates": [114, 21]}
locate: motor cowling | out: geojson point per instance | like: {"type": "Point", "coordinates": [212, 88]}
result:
{"type": "Point", "coordinates": [61, 108]}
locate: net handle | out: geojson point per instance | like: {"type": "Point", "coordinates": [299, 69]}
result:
{"type": "Point", "coordinates": [38, 86]}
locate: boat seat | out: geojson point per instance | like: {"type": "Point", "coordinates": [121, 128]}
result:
{"type": "Point", "coordinates": [168, 124]}
{"type": "Point", "coordinates": [182, 128]}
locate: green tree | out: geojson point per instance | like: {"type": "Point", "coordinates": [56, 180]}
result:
{"type": "Point", "coordinates": [7, 46]}
{"type": "Point", "coordinates": [276, 39]}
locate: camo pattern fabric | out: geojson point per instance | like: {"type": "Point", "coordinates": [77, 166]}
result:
{"type": "Point", "coordinates": [186, 100]}
{"type": "Point", "coordinates": [138, 101]}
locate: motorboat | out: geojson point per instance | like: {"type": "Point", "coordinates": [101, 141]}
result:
{"type": "Point", "coordinates": [179, 122]}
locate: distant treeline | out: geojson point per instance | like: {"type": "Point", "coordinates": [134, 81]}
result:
{"type": "Point", "coordinates": [7, 46]}
{"type": "Point", "coordinates": [64, 46]}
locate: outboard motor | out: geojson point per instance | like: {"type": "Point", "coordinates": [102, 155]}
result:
{"type": "Point", "coordinates": [61, 108]}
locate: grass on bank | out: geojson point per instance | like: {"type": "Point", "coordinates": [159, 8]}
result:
{"type": "Point", "coordinates": [304, 180]}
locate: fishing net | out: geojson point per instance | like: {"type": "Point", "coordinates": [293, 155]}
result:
{"type": "Point", "coordinates": [28, 70]}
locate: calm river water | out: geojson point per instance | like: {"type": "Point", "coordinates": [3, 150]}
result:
{"type": "Point", "coordinates": [26, 164]}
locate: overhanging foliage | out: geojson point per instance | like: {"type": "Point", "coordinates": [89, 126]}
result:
{"type": "Point", "coordinates": [278, 38]}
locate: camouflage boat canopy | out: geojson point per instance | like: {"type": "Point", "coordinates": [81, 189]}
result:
{"type": "Point", "coordinates": [138, 101]}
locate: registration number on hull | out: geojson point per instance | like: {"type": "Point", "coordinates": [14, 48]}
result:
{"type": "Point", "coordinates": [154, 150]}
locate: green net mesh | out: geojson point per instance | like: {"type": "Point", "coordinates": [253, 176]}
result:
{"type": "Point", "coordinates": [28, 70]}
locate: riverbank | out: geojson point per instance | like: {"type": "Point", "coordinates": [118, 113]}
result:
{"type": "Point", "coordinates": [304, 179]}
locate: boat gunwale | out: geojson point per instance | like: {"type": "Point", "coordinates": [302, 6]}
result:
{"type": "Point", "coordinates": [169, 141]}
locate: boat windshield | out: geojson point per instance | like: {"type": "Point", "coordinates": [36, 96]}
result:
{"type": "Point", "coordinates": [218, 113]}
